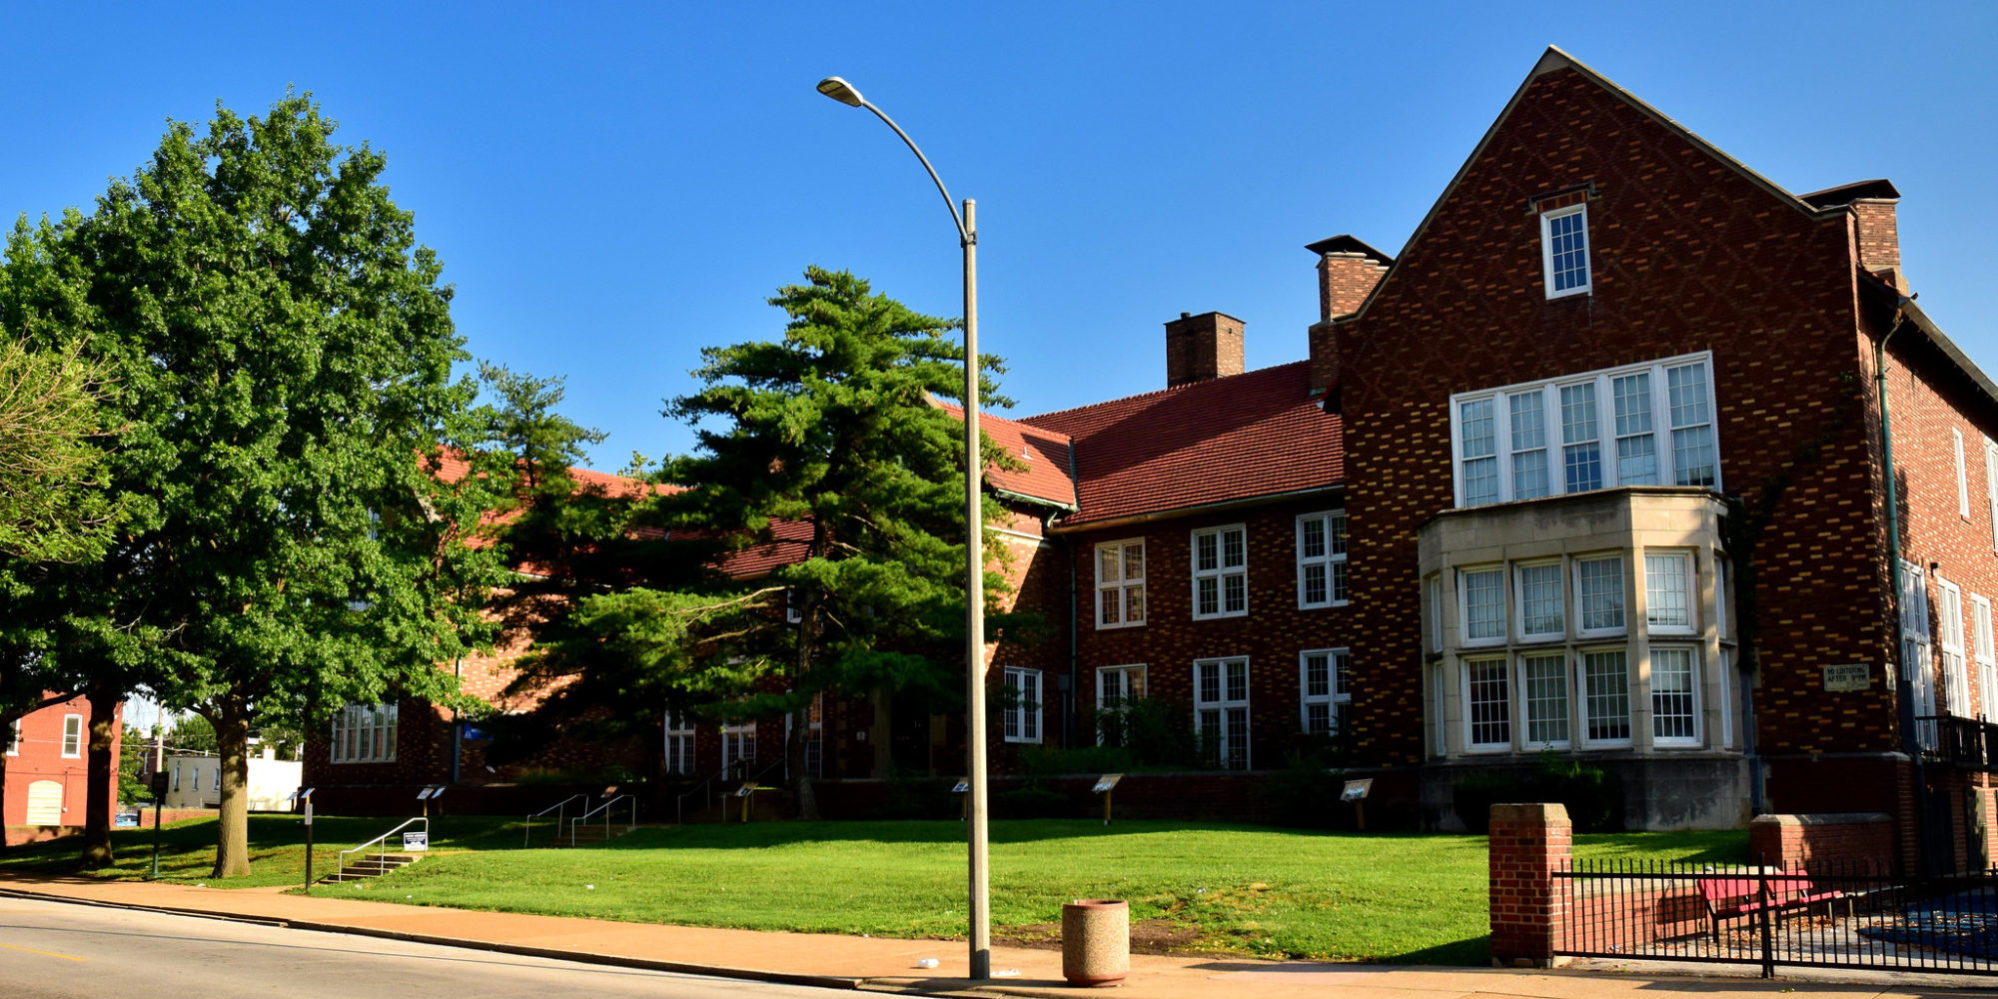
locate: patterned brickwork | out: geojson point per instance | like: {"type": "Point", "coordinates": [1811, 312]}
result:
{"type": "Point", "coordinates": [1271, 636]}
{"type": "Point", "coordinates": [1688, 255]}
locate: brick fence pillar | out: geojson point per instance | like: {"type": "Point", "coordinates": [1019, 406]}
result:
{"type": "Point", "coordinates": [1528, 843]}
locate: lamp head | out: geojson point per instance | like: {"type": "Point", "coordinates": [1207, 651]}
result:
{"type": "Point", "coordinates": [841, 91]}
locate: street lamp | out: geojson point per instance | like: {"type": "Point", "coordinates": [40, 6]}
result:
{"type": "Point", "coordinates": [974, 549]}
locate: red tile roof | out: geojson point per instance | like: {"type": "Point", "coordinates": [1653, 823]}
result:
{"type": "Point", "coordinates": [792, 539]}
{"type": "Point", "coordinates": [1045, 455]}
{"type": "Point", "coordinates": [1254, 434]}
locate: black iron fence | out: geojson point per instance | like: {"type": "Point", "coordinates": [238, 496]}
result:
{"type": "Point", "coordinates": [1837, 918]}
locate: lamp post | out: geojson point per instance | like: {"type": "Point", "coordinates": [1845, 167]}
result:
{"type": "Point", "coordinates": [974, 550]}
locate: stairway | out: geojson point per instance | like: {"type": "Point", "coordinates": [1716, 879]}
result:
{"type": "Point", "coordinates": [370, 867]}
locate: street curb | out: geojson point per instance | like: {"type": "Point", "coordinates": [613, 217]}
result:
{"type": "Point", "coordinates": [462, 943]}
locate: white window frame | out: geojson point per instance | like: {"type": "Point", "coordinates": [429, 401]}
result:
{"type": "Point", "coordinates": [1987, 662]}
{"type": "Point", "coordinates": [1547, 262]}
{"type": "Point", "coordinates": [1664, 434]}
{"type": "Point", "coordinates": [1917, 658]}
{"type": "Point", "coordinates": [1331, 561]}
{"type": "Point", "coordinates": [736, 737]}
{"type": "Point", "coordinates": [1130, 683]}
{"type": "Point", "coordinates": [1434, 585]}
{"type": "Point", "coordinates": [1117, 590]}
{"type": "Point", "coordinates": [1527, 700]}
{"type": "Point", "coordinates": [1519, 570]}
{"type": "Point", "coordinates": [1586, 691]}
{"type": "Point", "coordinates": [72, 737]}
{"type": "Point", "coordinates": [1221, 572]}
{"type": "Point", "coordinates": [1501, 665]}
{"type": "Point", "coordinates": [815, 738]}
{"type": "Point", "coordinates": [1956, 674]}
{"type": "Point", "coordinates": [1336, 695]}
{"type": "Point", "coordinates": [1622, 627]}
{"type": "Point", "coordinates": [1690, 588]}
{"type": "Point", "coordinates": [1962, 474]}
{"type": "Point", "coordinates": [1694, 681]}
{"type": "Point", "coordinates": [1022, 721]}
{"type": "Point", "coordinates": [1464, 620]}
{"type": "Point", "coordinates": [1230, 713]}
{"type": "Point", "coordinates": [680, 742]}
{"type": "Point", "coordinates": [365, 733]}
{"type": "Point", "coordinates": [1991, 486]}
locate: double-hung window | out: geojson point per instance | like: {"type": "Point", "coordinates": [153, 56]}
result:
{"type": "Point", "coordinates": [1542, 617]}
{"type": "Point", "coordinates": [365, 733]}
{"type": "Point", "coordinates": [1962, 475]}
{"type": "Point", "coordinates": [1481, 605]}
{"type": "Point", "coordinates": [1987, 665]}
{"type": "Point", "coordinates": [1668, 593]}
{"type": "Point", "coordinates": [1606, 697]}
{"type": "Point", "coordinates": [1220, 572]}
{"type": "Point", "coordinates": [1120, 583]}
{"type": "Point", "coordinates": [1323, 681]}
{"type": "Point", "coordinates": [1487, 704]}
{"type": "Point", "coordinates": [1916, 666]}
{"type": "Point", "coordinates": [1599, 595]}
{"type": "Point", "coordinates": [1643, 424]}
{"type": "Point", "coordinates": [1544, 678]}
{"type": "Point", "coordinates": [1991, 486]}
{"type": "Point", "coordinates": [679, 742]}
{"type": "Point", "coordinates": [72, 736]}
{"type": "Point", "coordinates": [1675, 696]}
{"type": "Point", "coordinates": [1023, 705]}
{"type": "Point", "coordinates": [1321, 559]}
{"type": "Point", "coordinates": [1221, 710]}
{"type": "Point", "coordinates": [1956, 678]}
{"type": "Point", "coordinates": [1116, 688]}
{"type": "Point", "coordinates": [738, 741]}
{"type": "Point", "coordinates": [1564, 250]}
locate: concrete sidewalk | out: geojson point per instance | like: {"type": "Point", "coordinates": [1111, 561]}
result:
{"type": "Point", "coordinates": [883, 965]}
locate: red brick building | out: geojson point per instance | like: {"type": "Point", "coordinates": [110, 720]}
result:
{"type": "Point", "coordinates": [1596, 466]}
{"type": "Point", "coordinates": [47, 769]}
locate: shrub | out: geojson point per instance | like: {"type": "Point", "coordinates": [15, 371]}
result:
{"type": "Point", "coordinates": [1592, 795]}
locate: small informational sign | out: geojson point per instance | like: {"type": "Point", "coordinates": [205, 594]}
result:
{"type": "Point", "coordinates": [416, 841]}
{"type": "Point", "coordinates": [436, 792]}
{"type": "Point", "coordinates": [308, 813]}
{"type": "Point", "coordinates": [748, 788]}
{"type": "Point", "coordinates": [1356, 789]}
{"type": "Point", "coordinates": [1848, 676]}
{"type": "Point", "coordinates": [1106, 782]}
{"type": "Point", "coordinates": [963, 786]}
{"type": "Point", "coordinates": [424, 795]}
{"type": "Point", "coordinates": [159, 784]}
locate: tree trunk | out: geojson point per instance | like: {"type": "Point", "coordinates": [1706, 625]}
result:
{"type": "Point", "coordinates": [794, 760]}
{"type": "Point", "coordinates": [232, 739]}
{"type": "Point", "coordinates": [101, 784]}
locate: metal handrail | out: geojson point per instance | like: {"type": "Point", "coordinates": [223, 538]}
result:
{"type": "Point", "coordinates": [383, 840]}
{"type": "Point", "coordinates": [560, 809]}
{"type": "Point", "coordinates": [679, 803]}
{"type": "Point", "coordinates": [605, 809]}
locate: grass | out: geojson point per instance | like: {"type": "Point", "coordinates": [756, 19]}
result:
{"type": "Point", "coordinates": [1201, 886]}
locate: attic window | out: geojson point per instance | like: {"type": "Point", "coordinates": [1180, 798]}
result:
{"type": "Point", "coordinates": [1564, 250]}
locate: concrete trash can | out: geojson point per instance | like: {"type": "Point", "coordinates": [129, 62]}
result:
{"type": "Point", "coordinates": [1095, 941]}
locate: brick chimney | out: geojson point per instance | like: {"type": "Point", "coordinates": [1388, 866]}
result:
{"type": "Point", "coordinates": [1202, 348]}
{"type": "Point", "coordinates": [1348, 270]}
{"type": "Point", "coordinates": [1875, 234]}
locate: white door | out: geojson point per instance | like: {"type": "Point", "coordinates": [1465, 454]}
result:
{"type": "Point", "coordinates": [45, 803]}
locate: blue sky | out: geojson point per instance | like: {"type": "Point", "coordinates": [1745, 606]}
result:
{"type": "Point", "coordinates": [613, 186]}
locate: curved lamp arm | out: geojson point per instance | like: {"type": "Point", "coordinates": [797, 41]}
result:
{"type": "Point", "coordinates": [843, 92]}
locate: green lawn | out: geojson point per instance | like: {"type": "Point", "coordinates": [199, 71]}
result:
{"type": "Point", "coordinates": [1193, 886]}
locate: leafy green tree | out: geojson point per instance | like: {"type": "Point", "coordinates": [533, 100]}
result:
{"type": "Point", "coordinates": [277, 352]}
{"type": "Point", "coordinates": [834, 427]}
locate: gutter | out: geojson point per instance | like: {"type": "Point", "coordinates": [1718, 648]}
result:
{"type": "Point", "coordinates": [1183, 511]}
{"type": "Point", "coordinates": [1903, 686]}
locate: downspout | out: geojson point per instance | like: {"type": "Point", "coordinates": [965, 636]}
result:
{"type": "Point", "coordinates": [1904, 687]}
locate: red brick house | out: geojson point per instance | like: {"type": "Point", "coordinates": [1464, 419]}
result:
{"type": "Point", "coordinates": [47, 770]}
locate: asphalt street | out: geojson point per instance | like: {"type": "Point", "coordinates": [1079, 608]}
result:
{"type": "Point", "coordinates": [51, 949]}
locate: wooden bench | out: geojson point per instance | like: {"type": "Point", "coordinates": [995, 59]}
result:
{"type": "Point", "coordinates": [1735, 897]}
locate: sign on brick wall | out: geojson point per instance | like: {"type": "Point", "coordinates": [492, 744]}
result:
{"type": "Point", "coordinates": [1848, 676]}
